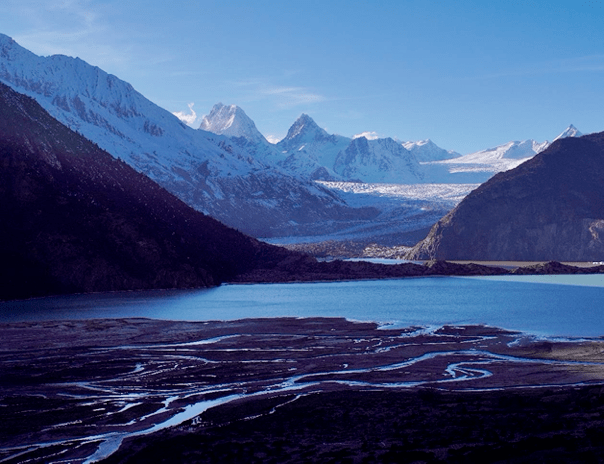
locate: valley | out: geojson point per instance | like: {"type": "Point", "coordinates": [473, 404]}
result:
{"type": "Point", "coordinates": [227, 169]}
{"type": "Point", "coordinates": [392, 259]}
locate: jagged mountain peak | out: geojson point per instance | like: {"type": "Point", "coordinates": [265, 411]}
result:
{"type": "Point", "coordinates": [11, 51]}
{"type": "Point", "coordinates": [9, 44]}
{"type": "Point", "coordinates": [231, 120]}
{"type": "Point", "coordinates": [305, 125]}
{"type": "Point", "coordinates": [571, 131]}
{"type": "Point", "coordinates": [305, 119]}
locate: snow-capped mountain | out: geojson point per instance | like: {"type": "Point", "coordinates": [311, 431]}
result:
{"type": "Point", "coordinates": [427, 150]}
{"type": "Point", "coordinates": [310, 151]}
{"type": "Point", "coordinates": [313, 153]}
{"type": "Point", "coordinates": [571, 131]}
{"type": "Point", "coordinates": [508, 152]}
{"type": "Point", "coordinates": [478, 167]}
{"type": "Point", "coordinates": [231, 121]}
{"type": "Point", "coordinates": [209, 172]}
{"type": "Point", "coordinates": [378, 161]}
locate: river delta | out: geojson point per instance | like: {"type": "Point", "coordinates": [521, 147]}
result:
{"type": "Point", "coordinates": [294, 390]}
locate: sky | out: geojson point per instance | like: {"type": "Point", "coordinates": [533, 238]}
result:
{"type": "Point", "coordinates": [468, 74]}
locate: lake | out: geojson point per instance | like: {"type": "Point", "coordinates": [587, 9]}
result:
{"type": "Point", "coordinates": [569, 305]}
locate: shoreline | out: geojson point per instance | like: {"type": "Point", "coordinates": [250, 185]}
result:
{"type": "Point", "coordinates": [354, 271]}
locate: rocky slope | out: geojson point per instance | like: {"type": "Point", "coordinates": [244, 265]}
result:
{"type": "Point", "coordinates": [548, 208]}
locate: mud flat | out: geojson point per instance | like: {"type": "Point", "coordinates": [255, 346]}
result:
{"type": "Point", "coordinates": [295, 390]}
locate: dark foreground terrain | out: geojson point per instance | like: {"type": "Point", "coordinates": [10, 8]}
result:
{"type": "Point", "coordinates": [295, 390]}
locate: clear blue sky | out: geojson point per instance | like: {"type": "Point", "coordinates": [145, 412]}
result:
{"type": "Point", "coordinates": [467, 74]}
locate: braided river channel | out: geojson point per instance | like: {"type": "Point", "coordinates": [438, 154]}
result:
{"type": "Point", "coordinates": [83, 376]}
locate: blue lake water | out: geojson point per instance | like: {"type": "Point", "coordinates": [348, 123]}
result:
{"type": "Point", "coordinates": [545, 305]}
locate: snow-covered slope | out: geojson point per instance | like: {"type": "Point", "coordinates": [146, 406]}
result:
{"type": "Point", "coordinates": [427, 150]}
{"type": "Point", "coordinates": [208, 171]}
{"type": "Point", "coordinates": [503, 153]}
{"type": "Point", "coordinates": [378, 161]}
{"type": "Point", "coordinates": [478, 167]}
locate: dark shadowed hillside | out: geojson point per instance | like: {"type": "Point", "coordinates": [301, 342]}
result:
{"type": "Point", "coordinates": [75, 219]}
{"type": "Point", "coordinates": [548, 208]}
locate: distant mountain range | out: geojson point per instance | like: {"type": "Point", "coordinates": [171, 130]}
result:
{"type": "Point", "coordinates": [548, 208]}
{"type": "Point", "coordinates": [228, 170]}
{"type": "Point", "coordinates": [309, 152]}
